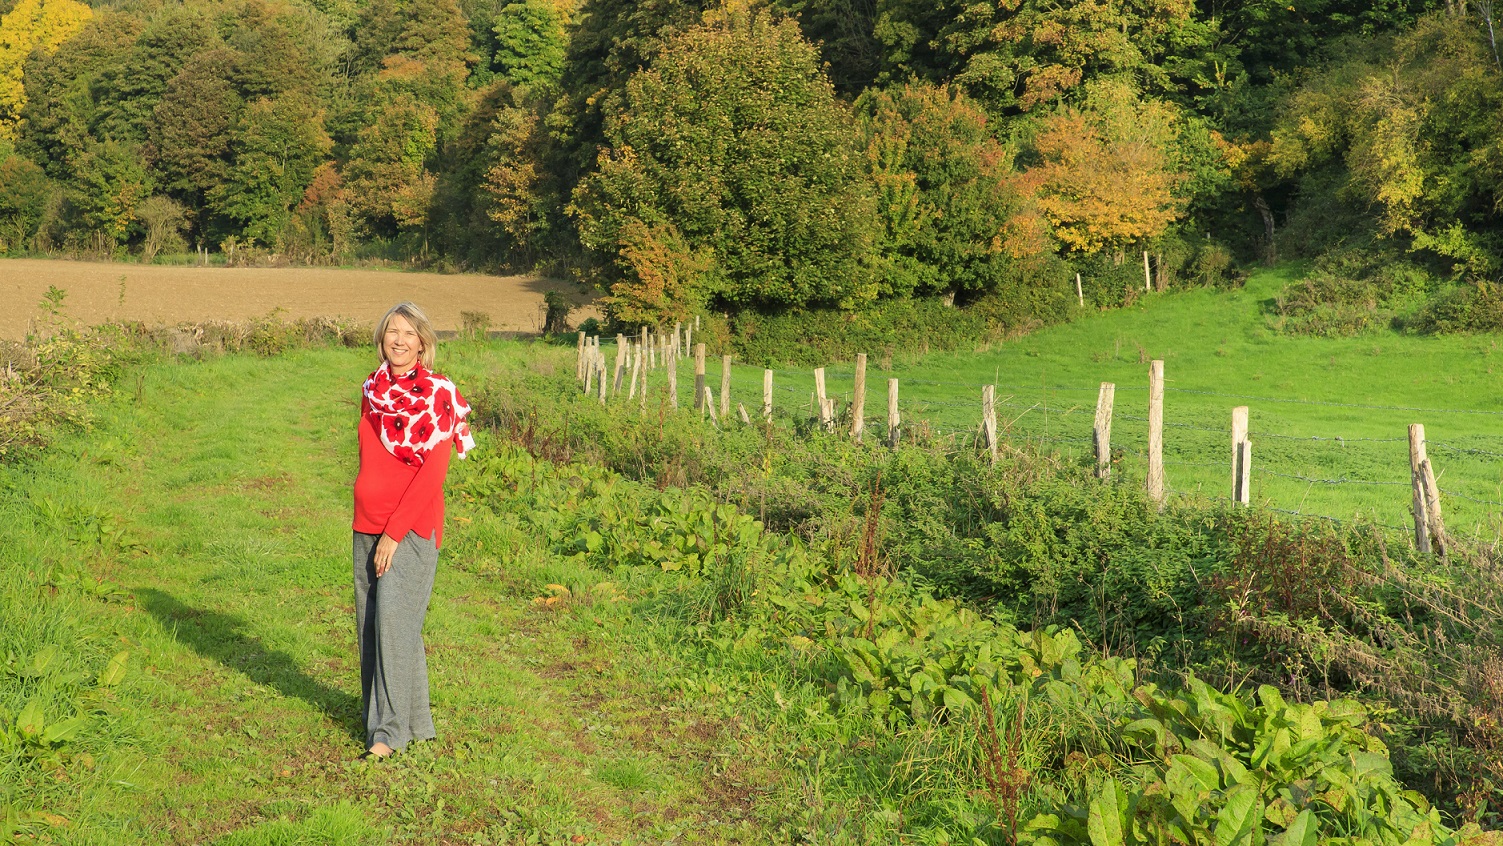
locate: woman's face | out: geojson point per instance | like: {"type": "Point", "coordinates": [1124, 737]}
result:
{"type": "Point", "coordinates": [401, 344]}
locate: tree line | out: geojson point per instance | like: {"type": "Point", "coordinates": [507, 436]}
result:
{"type": "Point", "coordinates": [689, 156]}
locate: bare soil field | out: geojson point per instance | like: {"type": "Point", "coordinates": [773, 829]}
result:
{"type": "Point", "coordinates": [99, 292]}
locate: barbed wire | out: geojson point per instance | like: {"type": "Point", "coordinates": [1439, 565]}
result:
{"type": "Point", "coordinates": [1342, 481]}
{"type": "Point", "coordinates": [1460, 495]}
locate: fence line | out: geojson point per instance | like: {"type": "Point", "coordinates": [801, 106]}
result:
{"type": "Point", "coordinates": [1292, 467]}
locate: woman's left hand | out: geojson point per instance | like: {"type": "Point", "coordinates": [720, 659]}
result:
{"type": "Point", "coordinates": [385, 549]}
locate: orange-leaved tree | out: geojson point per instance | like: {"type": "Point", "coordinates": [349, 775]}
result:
{"type": "Point", "coordinates": [1106, 173]}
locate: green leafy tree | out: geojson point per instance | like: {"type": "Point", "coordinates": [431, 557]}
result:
{"type": "Point", "coordinates": [735, 139]}
{"type": "Point", "coordinates": [946, 189]}
{"type": "Point", "coordinates": [192, 125]}
{"type": "Point", "coordinates": [24, 192]}
{"type": "Point", "coordinates": [129, 90]}
{"type": "Point", "coordinates": [61, 106]}
{"type": "Point", "coordinates": [108, 182]}
{"type": "Point", "coordinates": [276, 146]}
{"type": "Point", "coordinates": [386, 181]}
{"type": "Point", "coordinates": [529, 43]}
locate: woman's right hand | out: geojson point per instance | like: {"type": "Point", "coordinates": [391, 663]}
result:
{"type": "Point", "coordinates": [386, 548]}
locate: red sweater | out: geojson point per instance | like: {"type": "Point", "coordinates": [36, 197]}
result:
{"type": "Point", "coordinates": [393, 498]}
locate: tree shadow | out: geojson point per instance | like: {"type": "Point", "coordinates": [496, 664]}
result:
{"type": "Point", "coordinates": [223, 638]}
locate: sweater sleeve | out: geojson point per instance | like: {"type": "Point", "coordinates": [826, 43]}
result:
{"type": "Point", "coordinates": [426, 487]}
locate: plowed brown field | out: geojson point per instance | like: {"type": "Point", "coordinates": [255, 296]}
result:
{"type": "Point", "coordinates": [100, 292]}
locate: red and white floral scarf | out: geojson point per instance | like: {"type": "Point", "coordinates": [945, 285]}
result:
{"type": "Point", "coordinates": [416, 412]}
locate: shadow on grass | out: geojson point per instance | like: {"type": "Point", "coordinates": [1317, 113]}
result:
{"type": "Point", "coordinates": [222, 637]}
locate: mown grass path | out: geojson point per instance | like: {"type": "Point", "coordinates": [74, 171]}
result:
{"type": "Point", "coordinates": [226, 485]}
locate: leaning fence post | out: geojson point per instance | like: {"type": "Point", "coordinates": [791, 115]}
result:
{"type": "Point", "coordinates": [767, 395]}
{"type": "Point", "coordinates": [699, 376]}
{"type": "Point", "coordinates": [858, 400]}
{"type": "Point", "coordinates": [725, 385]}
{"type": "Point", "coordinates": [1156, 432]}
{"type": "Point", "coordinates": [1239, 471]}
{"type": "Point", "coordinates": [709, 406]}
{"type": "Point", "coordinates": [1432, 502]}
{"type": "Point", "coordinates": [1101, 431]}
{"type": "Point", "coordinates": [745, 418]}
{"type": "Point", "coordinates": [893, 422]}
{"type": "Point", "coordinates": [1418, 463]}
{"type": "Point", "coordinates": [989, 418]}
{"type": "Point", "coordinates": [1080, 294]}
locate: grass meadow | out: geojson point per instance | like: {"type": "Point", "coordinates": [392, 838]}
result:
{"type": "Point", "coordinates": [201, 532]}
{"type": "Point", "coordinates": [176, 622]}
{"type": "Point", "coordinates": [1328, 416]}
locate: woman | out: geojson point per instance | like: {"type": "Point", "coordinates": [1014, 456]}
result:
{"type": "Point", "coordinates": [410, 417]}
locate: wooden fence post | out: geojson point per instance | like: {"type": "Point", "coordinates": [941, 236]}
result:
{"type": "Point", "coordinates": [767, 395]}
{"type": "Point", "coordinates": [893, 421]}
{"type": "Point", "coordinates": [688, 338]}
{"type": "Point", "coordinates": [699, 376]}
{"type": "Point", "coordinates": [600, 362]}
{"type": "Point", "coordinates": [636, 369]}
{"type": "Point", "coordinates": [1079, 293]}
{"type": "Point", "coordinates": [587, 361]}
{"type": "Point", "coordinates": [1240, 485]}
{"type": "Point", "coordinates": [1156, 432]}
{"type": "Point", "coordinates": [678, 331]}
{"type": "Point", "coordinates": [1101, 432]}
{"type": "Point", "coordinates": [579, 368]}
{"type": "Point", "coordinates": [1432, 502]}
{"type": "Point", "coordinates": [1147, 278]}
{"type": "Point", "coordinates": [620, 365]}
{"type": "Point", "coordinates": [1244, 493]}
{"type": "Point", "coordinates": [1428, 529]}
{"type": "Point", "coordinates": [858, 400]}
{"type": "Point", "coordinates": [822, 407]}
{"type": "Point", "coordinates": [710, 405]}
{"type": "Point", "coordinates": [725, 385]}
{"type": "Point", "coordinates": [989, 419]}
{"type": "Point", "coordinates": [672, 379]}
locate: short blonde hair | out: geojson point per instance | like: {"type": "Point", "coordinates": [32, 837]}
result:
{"type": "Point", "coordinates": [419, 321]}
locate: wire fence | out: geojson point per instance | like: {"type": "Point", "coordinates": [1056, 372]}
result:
{"type": "Point", "coordinates": [1329, 459]}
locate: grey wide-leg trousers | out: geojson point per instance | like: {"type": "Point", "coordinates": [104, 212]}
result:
{"type": "Point", "coordinates": [389, 614]}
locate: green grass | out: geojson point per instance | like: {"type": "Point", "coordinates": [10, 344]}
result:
{"type": "Point", "coordinates": [203, 530]}
{"type": "Point", "coordinates": [1329, 416]}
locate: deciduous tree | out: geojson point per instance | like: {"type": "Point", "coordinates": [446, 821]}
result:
{"type": "Point", "coordinates": [735, 138]}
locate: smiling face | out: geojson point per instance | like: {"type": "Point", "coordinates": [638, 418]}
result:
{"type": "Point", "coordinates": [401, 345]}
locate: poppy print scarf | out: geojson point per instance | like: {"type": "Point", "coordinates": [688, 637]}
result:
{"type": "Point", "coordinates": [416, 412]}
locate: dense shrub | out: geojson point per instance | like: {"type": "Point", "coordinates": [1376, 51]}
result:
{"type": "Point", "coordinates": [1470, 307]}
{"type": "Point", "coordinates": [1349, 293]}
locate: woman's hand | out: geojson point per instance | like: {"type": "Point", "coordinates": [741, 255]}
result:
{"type": "Point", "coordinates": [385, 549]}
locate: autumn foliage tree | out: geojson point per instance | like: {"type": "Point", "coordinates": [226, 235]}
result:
{"type": "Point", "coordinates": [31, 25]}
{"type": "Point", "coordinates": [1105, 176]}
